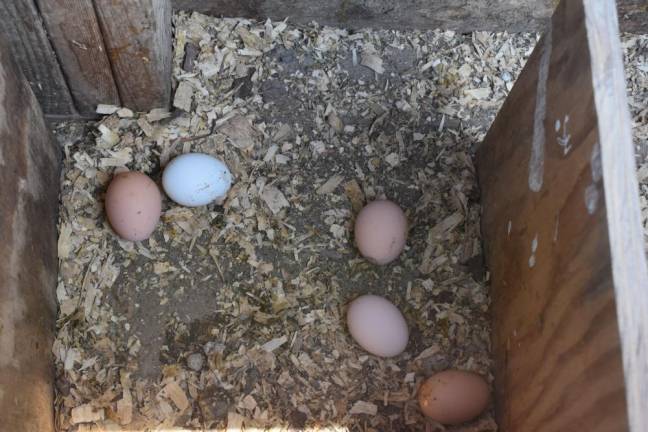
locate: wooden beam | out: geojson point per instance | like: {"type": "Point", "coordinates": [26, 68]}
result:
{"type": "Point", "coordinates": [623, 214]}
{"type": "Point", "coordinates": [22, 28]}
{"type": "Point", "coordinates": [137, 35]}
{"type": "Point", "coordinates": [563, 238]}
{"type": "Point", "coordinates": [29, 179]}
{"type": "Point", "coordinates": [463, 16]}
{"type": "Point", "coordinates": [76, 37]}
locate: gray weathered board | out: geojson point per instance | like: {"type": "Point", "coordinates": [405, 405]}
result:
{"type": "Point", "coordinates": [138, 37]}
{"type": "Point", "coordinates": [563, 237]}
{"type": "Point", "coordinates": [22, 28]}
{"type": "Point", "coordinates": [29, 178]}
{"type": "Point", "coordinates": [74, 31]}
{"type": "Point", "coordinates": [461, 15]}
{"type": "Point", "coordinates": [98, 51]}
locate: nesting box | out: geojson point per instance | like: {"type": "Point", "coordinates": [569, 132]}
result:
{"type": "Point", "coordinates": [560, 217]}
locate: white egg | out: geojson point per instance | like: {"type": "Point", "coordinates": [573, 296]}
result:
{"type": "Point", "coordinates": [196, 179]}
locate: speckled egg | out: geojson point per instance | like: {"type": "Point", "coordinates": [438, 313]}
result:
{"type": "Point", "coordinates": [381, 231]}
{"type": "Point", "coordinates": [133, 205]}
{"type": "Point", "coordinates": [377, 325]}
{"type": "Point", "coordinates": [453, 396]}
{"type": "Point", "coordinates": [196, 179]}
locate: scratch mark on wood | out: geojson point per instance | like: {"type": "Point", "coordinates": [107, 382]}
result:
{"type": "Point", "coordinates": [536, 161]}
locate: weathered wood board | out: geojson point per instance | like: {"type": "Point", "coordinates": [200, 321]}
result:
{"type": "Point", "coordinates": [460, 15]}
{"type": "Point", "coordinates": [22, 28]}
{"type": "Point", "coordinates": [29, 178]}
{"type": "Point", "coordinates": [560, 209]}
{"type": "Point", "coordinates": [137, 35]}
{"type": "Point", "coordinates": [74, 31]}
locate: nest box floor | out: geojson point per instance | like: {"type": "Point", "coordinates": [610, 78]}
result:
{"type": "Point", "coordinates": [233, 315]}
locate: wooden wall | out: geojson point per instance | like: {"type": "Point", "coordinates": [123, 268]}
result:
{"type": "Point", "coordinates": [77, 54]}
{"type": "Point", "coordinates": [29, 179]}
{"type": "Point", "coordinates": [563, 237]}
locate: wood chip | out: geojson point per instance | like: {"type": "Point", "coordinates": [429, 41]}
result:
{"type": "Point", "coordinates": [183, 96]}
{"type": "Point", "coordinates": [173, 391]}
{"type": "Point", "coordinates": [330, 185]}
{"type": "Point", "coordinates": [106, 109]}
{"type": "Point", "coordinates": [87, 414]}
{"type": "Point", "coordinates": [241, 132]}
{"type": "Point", "coordinates": [362, 407]}
{"type": "Point", "coordinates": [373, 62]}
{"type": "Point", "coordinates": [274, 344]}
{"type": "Point", "coordinates": [274, 199]}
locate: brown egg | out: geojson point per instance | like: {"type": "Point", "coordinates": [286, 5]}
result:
{"type": "Point", "coordinates": [453, 397]}
{"type": "Point", "coordinates": [133, 205]}
{"type": "Point", "coordinates": [381, 231]}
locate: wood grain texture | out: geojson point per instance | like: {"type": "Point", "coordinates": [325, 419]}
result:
{"type": "Point", "coordinates": [76, 37]}
{"type": "Point", "coordinates": [22, 28]}
{"type": "Point", "coordinates": [137, 35]}
{"type": "Point", "coordinates": [550, 243]}
{"type": "Point", "coordinates": [29, 178]}
{"type": "Point", "coordinates": [460, 15]}
{"type": "Point", "coordinates": [623, 214]}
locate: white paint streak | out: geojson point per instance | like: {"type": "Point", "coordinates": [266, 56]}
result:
{"type": "Point", "coordinates": [556, 225]}
{"type": "Point", "coordinates": [563, 139]}
{"type": "Point", "coordinates": [3, 118]}
{"type": "Point", "coordinates": [591, 198]}
{"type": "Point", "coordinates": [508, 228]}
{"type": "Point", "coordinates": [596, 164]}
{"type": "Point", "coordinates": [536, 161]}
{"type": "Point", "coordinates": [534, 248]}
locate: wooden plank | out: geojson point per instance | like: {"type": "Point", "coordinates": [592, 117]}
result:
{"type": "Point", "coordinates": [137, 34]}
{"type": "Point", "coordinates": [562, 235]}
{"type": "Point", "coordinates": [623, 212]}
{"type": "Point", "coordinates": [29, 179]}
{"type": "Point", "coordinates": [27, 40]}
{"type": "Point", "coordinates": [460, 15]}
{"type": "Point", "coordinates": [76, 37]}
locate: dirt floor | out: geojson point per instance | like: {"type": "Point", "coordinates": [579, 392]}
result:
{"type": "Point", "coordinates": [234, 315]}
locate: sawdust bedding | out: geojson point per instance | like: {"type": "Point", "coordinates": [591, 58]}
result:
{"type": "Point", "coordinates": [233, 317]}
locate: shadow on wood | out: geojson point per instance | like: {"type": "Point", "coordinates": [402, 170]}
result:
{"type": "Point", "coordinates": [29, 179]}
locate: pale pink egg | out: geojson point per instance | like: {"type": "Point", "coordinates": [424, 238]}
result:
{"type": "Point", "coordinates": [377, 326]}
{"type": "Point", "coordinates": [381, 231]}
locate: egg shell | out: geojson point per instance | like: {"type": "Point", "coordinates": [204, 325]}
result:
{"type": "Point", "coordinates": [133, 205]}
{"type": "Point", "coordinates": [196, 179]}
{"type": "Point", "coordinates": [452, 397]}
{"type": "Point", "coordinates": [377, 326]}
{"type": "Point", "coordinates": [381, 231]}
